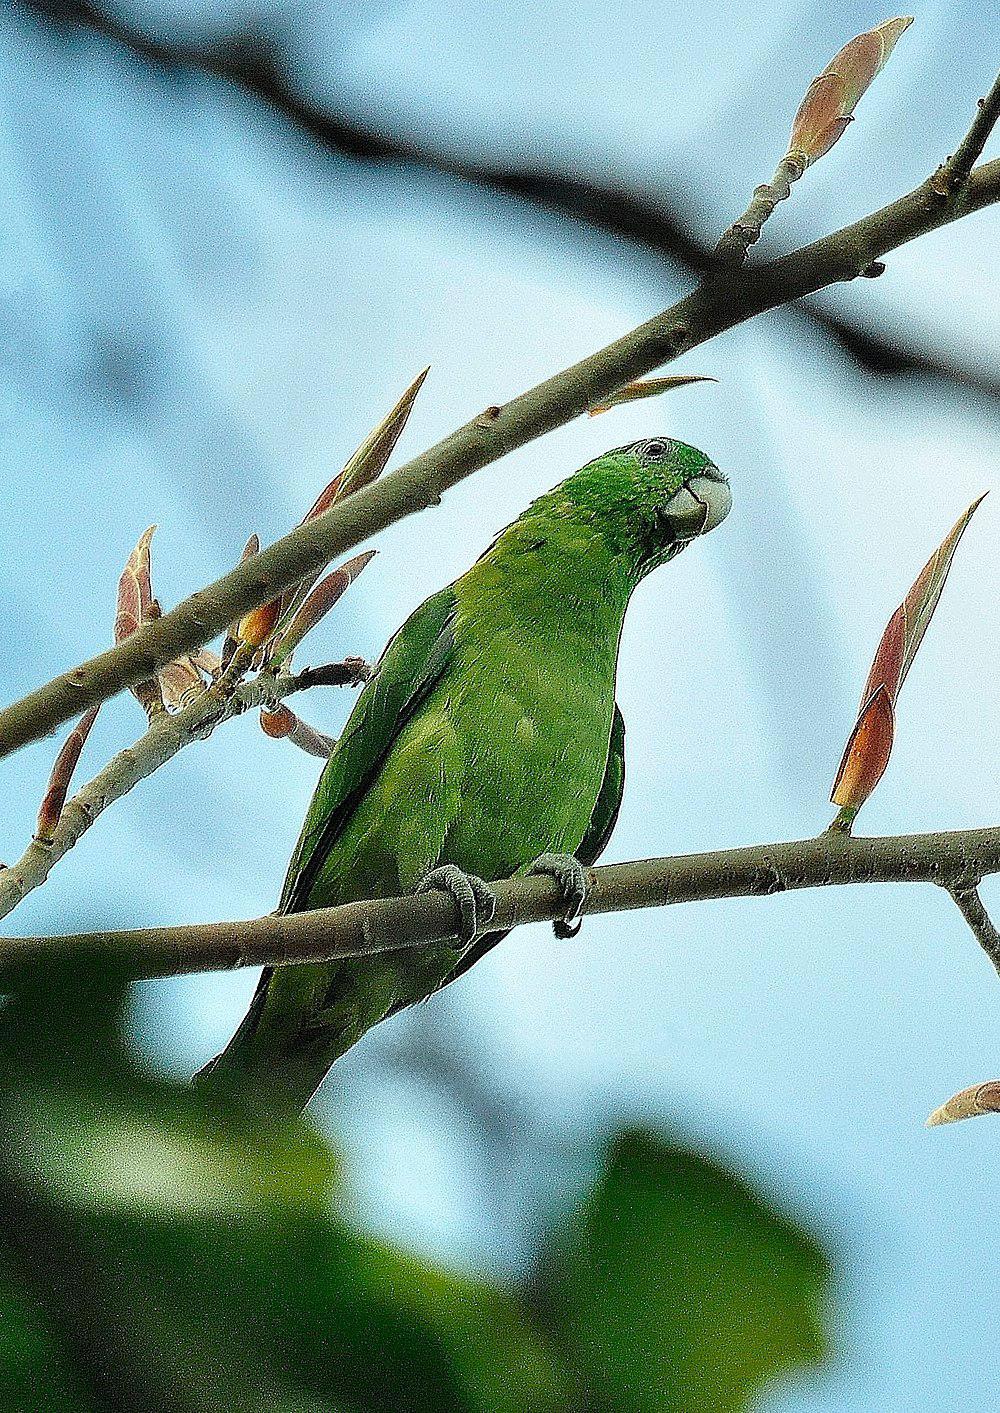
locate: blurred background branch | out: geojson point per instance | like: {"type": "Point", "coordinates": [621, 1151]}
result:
{"type": "Point", "coordinates": [252, 60]}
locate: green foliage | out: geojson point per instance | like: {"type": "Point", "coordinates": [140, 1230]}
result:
{"type": "Point", "coordinates": [678, 1287]}
{"type": "Point", "coordinates": [159, 1254]}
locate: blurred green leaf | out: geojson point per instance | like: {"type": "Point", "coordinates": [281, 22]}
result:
{"type": "Point", "coordinates": [178, 1254]}
{"type": "Point", "coordinates": [33, 1372]}
{"type": "Point", "coordinates": [149, 1150]}
{"type": "Point", "coordinates": [678, 1287]}
{"type": "Point", "coordinates": [164, 1249]}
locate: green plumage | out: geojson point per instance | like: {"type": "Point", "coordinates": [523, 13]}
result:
{"type": "Point", "coordinates": [487, 735]}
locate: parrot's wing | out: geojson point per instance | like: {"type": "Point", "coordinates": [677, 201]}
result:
{"type": "Point", "coordinates": [609, 799]}
{"type": "Point", "coordinates": [599, 831]}
{"type": "Point", "coordinates": [404, 675]}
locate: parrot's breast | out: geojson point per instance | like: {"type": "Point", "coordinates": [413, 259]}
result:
{"type": "Point", "coordinates": [531, 718]}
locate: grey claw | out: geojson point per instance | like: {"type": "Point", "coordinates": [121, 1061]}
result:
{"type": "Point", "coordinates": [474, 900]}
{"type": "Point", "coordinates": [570, 874]}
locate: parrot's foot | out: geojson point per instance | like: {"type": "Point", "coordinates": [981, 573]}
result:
{"type": "Point", "coordinates": [474, 900]}
{"type": "Point", "coordinates": [570, 874]}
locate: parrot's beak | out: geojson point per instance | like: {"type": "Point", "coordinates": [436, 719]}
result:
{"type": "Point", "coordinates": [697, 507]}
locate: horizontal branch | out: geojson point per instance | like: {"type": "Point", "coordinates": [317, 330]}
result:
{"type": "Point", "coordinates": [955, 859]}
{"type": "Point", "coordinates": [721, 302]}
{"type": "Point", "coordinates": [167, 734]}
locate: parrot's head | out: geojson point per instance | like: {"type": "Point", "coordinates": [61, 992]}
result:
{"type": "Point", "coordinates": [652, 498]}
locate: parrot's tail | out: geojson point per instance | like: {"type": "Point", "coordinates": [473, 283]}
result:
{"type": "Point", "coordinates": [301, 1020]}
{"type": "Point", "coordinates": [267, 1080]}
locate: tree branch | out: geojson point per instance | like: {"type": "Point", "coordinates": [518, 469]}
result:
{"type": "Point", "coordinates": [971, 906]}
{"type": "Point", "coordinates": [388, 924]}
{"type": "Point", "coordinates": [720, 303]}
{"type": "Point", "coordinates": [167, 734]}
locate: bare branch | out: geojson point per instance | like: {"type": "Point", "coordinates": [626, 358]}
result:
{"type": "Point", "coordinates": [389, 924]}
{"type": "Point", "coordinates": [971, 906]}
{"type": "Point", "coordinates": [352, 672]}
{"type": "Point", "coordinates": [722, 303]}
{"type": "Point", "coordinates": [167, 734]}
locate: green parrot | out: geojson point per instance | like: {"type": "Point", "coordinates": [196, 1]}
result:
{"type": "Point", "coordinates": [487, 742]}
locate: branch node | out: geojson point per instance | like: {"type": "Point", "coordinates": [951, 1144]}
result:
{"type": "Point", "coordinates": [842, 824]}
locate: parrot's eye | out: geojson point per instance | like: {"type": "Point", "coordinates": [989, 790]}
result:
{"type": "Point", "coordinates": [655, 448]}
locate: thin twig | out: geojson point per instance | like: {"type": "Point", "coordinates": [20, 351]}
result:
{"type": "Point", "coordinates": [165, 737]}
{"type": "Point", "coordinates": [733, 247]}
{"type": "Point", "coordinates": [308, 739]}
{"type": "Point", "coordinates": [970, 905]}
{"type": "Point", "coordinates": [352, 672]}
{"type": "Point", "coordinates": [388, 924]}
{"type": "Point", "coordinates": [955, 172]}
{"type": "Point", "coordinates": [707, 311]}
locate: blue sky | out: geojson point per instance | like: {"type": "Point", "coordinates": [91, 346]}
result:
{"type": "Point", "coordinates": [203, 316]}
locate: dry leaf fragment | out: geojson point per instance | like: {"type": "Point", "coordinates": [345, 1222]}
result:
{"type": "Point", "coordinates": [649, 387]}
{"type": "Point", "coordinates": [136, 606]}
{"type": "Point", "coordinates": [180, 682]}
{"type": "Point", "coordinates": [968, 1104]}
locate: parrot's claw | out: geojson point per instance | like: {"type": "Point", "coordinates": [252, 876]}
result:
{"type": "Point", "coordinates": [570, 874]}
{"type": "Point", "coordinates": [474, 900]}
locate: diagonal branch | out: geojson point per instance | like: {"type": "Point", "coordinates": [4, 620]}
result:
{"type": "Point", "coordinates": [388, 924]}
{"type": "Point", "coordinates": [722, 302]}
{"type": "Point", "coordinates": [251, 62]}
{"type": "Point", "coordinates": [167, 734]}
{"type": "Point", "coordinates": [970, 905]}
